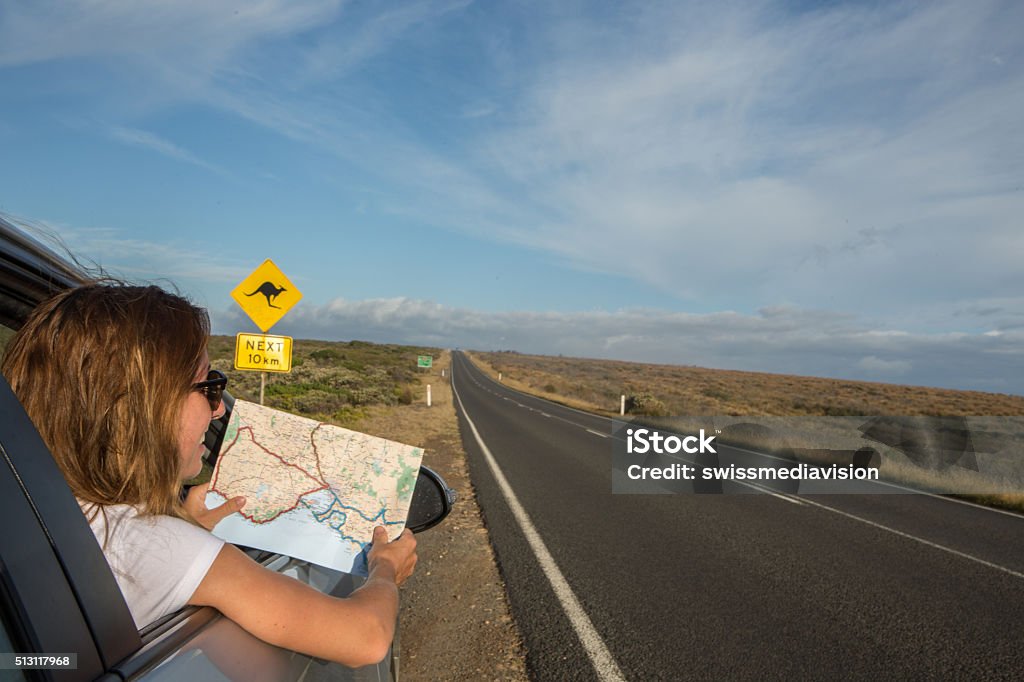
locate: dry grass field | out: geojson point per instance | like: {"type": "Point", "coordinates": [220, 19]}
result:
{"type": "Point", "coordinates": [825, 430]}
{"type": "Point", "coordinates": [674, 390]}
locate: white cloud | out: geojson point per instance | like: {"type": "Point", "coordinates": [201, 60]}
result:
{"type": "Point", "coordinates": [876, 365]}
{"type": "Point", "coordinates": [147, 140]}
{"type": "Point", "coordinates": [734, 156]}
{"type": "Point", "coordinates": [789, 340]}
{"type": "Point", "coordinates": [824, 159]}
{"type": "Point", "coordinates": [725, 154]}
{"type": "Point", "coordinates": [155, 31]}
{"type": "Point", "coordinates": [375, 35]}
{"type": "Point", "coordinates": [856, 158]}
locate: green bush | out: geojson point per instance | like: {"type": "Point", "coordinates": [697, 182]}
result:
{"type": "Point", "coordinates": [324, 355]}
{"type": "Point", "coordinates": [336, 381]}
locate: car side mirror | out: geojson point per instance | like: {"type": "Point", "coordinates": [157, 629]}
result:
{"type": "Point", "coordinates": [432, 500]}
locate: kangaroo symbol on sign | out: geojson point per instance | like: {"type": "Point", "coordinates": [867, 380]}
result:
{"type": "Point", "coordinates": [269, 290]}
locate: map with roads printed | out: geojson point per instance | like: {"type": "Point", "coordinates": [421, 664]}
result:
{"type": "Point", "coordinates": [313, 491]}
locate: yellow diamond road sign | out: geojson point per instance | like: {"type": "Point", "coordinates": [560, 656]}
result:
{"type": "Point", "coordinates": [266, 295]}
{"type": "Point", "coordinates": [263, 352]}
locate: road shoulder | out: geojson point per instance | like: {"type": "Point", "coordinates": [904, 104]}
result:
{"type": "Point", "coordinates": [455, 618]}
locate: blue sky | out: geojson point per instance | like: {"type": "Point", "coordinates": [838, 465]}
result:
{"type": "Point", "coordinates": [831, 189]}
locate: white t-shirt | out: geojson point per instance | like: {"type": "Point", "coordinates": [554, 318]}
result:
{"type": "Point", "coordinates": [158, 561]}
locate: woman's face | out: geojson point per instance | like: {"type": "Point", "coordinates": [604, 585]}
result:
{"type": "Point", "coordinates": [196, 416]}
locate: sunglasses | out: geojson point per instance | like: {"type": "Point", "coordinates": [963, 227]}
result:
{"type": "Point", "coordinates": [213, 387]}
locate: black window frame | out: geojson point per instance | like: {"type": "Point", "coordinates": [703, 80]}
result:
{"type": "Point", "coordinates": [59, 595]}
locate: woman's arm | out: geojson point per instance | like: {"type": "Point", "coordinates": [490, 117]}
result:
{"type": "Point", "coordinates": [355, 631]}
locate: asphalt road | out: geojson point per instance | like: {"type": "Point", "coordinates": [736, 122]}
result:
{"type": "Point", "coordinates": [645, 587]}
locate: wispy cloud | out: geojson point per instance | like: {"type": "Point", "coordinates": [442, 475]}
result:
{"type": "Point", "coordinates": [725, 157]}
{"type": "Point", "coordinates": [111, 252]}
{"type": "Point", "coordinates": [151, 31]}
{"type": "Point", "coordinates": [147, 140]}
{"type": "Point", "coordinates": [732, 156]}
{"type": "Point", "coordinates": [361, 38]}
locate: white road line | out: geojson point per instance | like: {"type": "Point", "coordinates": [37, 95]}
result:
{"type": "Point", "coordinates": [963, 555]}
{"type": "Point", "coordinates": [953, 499]}
{"type": "Point", "coordinates": [805, 501]}
{"type": "Point", "coordinates": [779, 459]}
{"type": "Point", "coordinates": [791, 500]}
{"type": "Point", "coordinates": [530, 395]}
{"type": "Point", "coordinates": [527, 395]}
{"type": "Point", "coordinates": [889, 484]}
{"type": "Point", "coordinates": [763, 454]}
{"type": "Point", "coordinates": [602, 660]}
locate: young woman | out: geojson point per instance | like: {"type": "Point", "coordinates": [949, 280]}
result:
{"type": "Point", "coordinates": [118, 382]}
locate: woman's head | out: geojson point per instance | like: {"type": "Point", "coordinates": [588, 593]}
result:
{"type": "Point", "coordinates": [106, 374]}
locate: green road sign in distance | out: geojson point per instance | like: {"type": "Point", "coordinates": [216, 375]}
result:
{"type": "Point", "coordinates": [425, 361]}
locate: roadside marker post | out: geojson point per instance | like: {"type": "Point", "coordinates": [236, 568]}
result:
{"type": "Point", "coordinates": [266, 295]}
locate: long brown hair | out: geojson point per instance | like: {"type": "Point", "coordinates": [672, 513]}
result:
{"type": "Point", "coordinates": [103, 371]}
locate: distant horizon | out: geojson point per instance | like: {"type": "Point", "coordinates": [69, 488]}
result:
{"type": "Point", "coordinates": [624, 361]}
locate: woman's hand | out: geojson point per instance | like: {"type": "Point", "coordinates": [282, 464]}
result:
{"type": "Point", "coordinates": [397, 558]}
{"type": "Point", "coordinates": [195, 505]}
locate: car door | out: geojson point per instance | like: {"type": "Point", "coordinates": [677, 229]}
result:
{"type": "Point", "coordinates": [58, 595]}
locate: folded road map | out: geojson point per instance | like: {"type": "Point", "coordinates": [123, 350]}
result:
{"type": "Point", "coordinates": [313, 491]}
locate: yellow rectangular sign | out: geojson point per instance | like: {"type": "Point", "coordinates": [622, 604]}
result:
{"type": "Point", "coordinates": [263, 352]}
